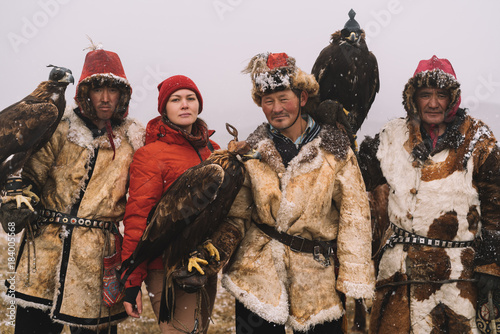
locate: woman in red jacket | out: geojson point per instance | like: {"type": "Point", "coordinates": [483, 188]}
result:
{"type": "Point", "coordinates": [175, 141]}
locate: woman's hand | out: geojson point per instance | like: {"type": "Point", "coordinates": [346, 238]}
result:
{"type": "Point", "coordinates": [133, 308]}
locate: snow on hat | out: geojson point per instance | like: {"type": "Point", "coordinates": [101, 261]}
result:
{"type": "Point", "coordinates": [173, 84]}
{"type": "Point", "coordinates": [102, 68]}
{"type": "Point", "coordinates": [435, 73]}
{"type": "Point", "coordinates": [273, 72]}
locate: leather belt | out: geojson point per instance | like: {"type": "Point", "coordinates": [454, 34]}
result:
{"type": "Point", "coordinates": [303, 245]}
{"type": "Point", "coordinates": [47, 216]}
{"type": "Point", "coordinates": [402, 236]}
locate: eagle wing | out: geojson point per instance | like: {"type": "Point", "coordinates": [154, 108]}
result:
{"type": "Point", "coordinates": [25, 127]}
{"type": "Point", "coordinates": [185, 199]}
{"type": "Point", "coordinates": [349, 75]}
{"type": "Point", "coordinates": [366, 85]}
{"type": "Point", "coordinates": [178, 209]}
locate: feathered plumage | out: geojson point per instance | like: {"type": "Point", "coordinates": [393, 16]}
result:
{"type": "Point", "coordinates": [347, 72]}
{"type": "Point", "coordinates": [27, 125]}
{"type": "Point", "coordinates": [190, 211]}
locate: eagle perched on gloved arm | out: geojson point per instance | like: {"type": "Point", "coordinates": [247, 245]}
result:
{"type": "Point", "coordinates": [26, 126]}
{"type": "Point", "coordinates": [347, 72]}
{"type": "Point", "coordinates": [189, 213]}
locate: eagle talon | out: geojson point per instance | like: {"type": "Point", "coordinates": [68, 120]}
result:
{"type": "Point", "coordinates": [212, 250]}
{"type": "Point", "coordinates": [20, 199]}
{"type": "Point", "coordinates": [28, 193]}
{"type": "Point", "coordinates": [194, 263]}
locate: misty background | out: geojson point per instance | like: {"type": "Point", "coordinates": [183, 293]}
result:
{"type": "Point", "coordinates": [211, 41]}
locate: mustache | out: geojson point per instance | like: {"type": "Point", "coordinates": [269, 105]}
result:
{"type": "Point", "coordinates": [280, 114]}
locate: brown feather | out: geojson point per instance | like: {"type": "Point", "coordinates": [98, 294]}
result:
{"type": "Point", "coordinates": [27, 125]}
{"type": "Point", "coordinates": [348, 73]}
{"type": "Point", "coordinates": [191, 209]}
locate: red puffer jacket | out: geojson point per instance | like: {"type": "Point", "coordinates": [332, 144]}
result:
{"type": "Point", "coordinates": [166, 155]}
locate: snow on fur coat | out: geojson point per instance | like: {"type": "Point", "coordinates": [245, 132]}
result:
{"type": "Point", "coordinates": [449, 193]}
{"type": "Point", "coordinates": [320, 196]}
{"type": "Point", "coordinates": [68, 277]}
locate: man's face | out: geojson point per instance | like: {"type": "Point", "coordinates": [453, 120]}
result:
{"type": "Point", "coordinates": [105, 100]}
{"type": "Point", "coordinates": [432, 104]}
{"type": "Point", "coordinates": [281, 108]}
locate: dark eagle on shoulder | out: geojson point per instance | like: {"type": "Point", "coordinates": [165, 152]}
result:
{"type": "Point", "coordinates": [27, 125]}
{"type": "Point", "coordinates": [189, 212]}
{"type": "Point", "coordinates": [347, 72]}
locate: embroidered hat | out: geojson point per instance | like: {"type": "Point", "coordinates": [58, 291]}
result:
{"type": "Point", "coordinates": [273, 72]}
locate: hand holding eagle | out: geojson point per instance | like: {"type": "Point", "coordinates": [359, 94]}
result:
{"type": "Point", "coordinates": [189, 213]}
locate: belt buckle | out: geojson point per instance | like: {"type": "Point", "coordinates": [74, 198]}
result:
{"type": "Point", "coordinates": [302, 240]}
{"type": "Point", "coordinates": [317, 253]}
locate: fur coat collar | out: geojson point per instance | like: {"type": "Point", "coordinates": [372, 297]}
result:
{"type": "Point", "coordinates": [330, 138]}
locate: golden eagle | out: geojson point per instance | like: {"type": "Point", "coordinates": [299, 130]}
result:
{"type": "Point", "coordinates": [27, 125]}
{"type": "Point", "coordinates": [189, 212]}
{"type": "Point", "coordinates": [347, 72]}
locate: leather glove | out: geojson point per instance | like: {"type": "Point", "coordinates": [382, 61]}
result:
{"type": "Point", "coordinates": [225, 239]}
{"type": "Point", "coordinates": [487, 283]}
{"type": "Point", "coordinates": [189, 281]}
{"type": "Point", "coordinates": [14, 219]}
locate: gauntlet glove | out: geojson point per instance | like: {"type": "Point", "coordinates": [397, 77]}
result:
{"type": "Point", "coordinates": [225, 239]}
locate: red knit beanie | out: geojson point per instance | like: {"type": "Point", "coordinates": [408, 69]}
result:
{"type": "Point", "coordinates": [173, 84]}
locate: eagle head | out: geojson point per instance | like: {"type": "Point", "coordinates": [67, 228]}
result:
{"type": "Point", "coordinates": [352, 31]}
{"type": "Point", "coordinates": [61, 75]}
{"type": "Point", "coordinates": [242, 150]}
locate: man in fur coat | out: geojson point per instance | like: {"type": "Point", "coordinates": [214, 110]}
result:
{"type": "Point", "coordinates": [442, 167]}
{"type": "Point", "coordinates": [81, 177]}
{"type": "Point", "coordinates": [301, 215]}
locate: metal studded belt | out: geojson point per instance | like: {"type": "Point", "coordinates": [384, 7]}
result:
{"type": "Point", "coordinates": [402, 236]}
{"type": "Point", "coordinates": [53, 217]}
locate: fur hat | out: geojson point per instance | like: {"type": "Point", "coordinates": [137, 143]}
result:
{"type": "Point", "coordinates": [273, 72]}
{"type": "Point", "coordinates": [102, 68]}
{"type": "Point", "coordinates": [170, 85]}
{"type": "Point", "coordinates": [434, 73]}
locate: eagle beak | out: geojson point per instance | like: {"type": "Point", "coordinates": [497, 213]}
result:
{"type": "Point", "coordinates": [252, 154]}
{"type": "Point", "coordinates": [353, 37]}
{"type": "Point", "coordinates": [68, 77]}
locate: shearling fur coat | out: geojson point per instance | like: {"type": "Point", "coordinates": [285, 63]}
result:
{"type": "Point", "coordinates": [69, 259]}
{"type": "Point", "coordinates": [320, 196]}
{"type": "Point", "coordinates": [449, 193]}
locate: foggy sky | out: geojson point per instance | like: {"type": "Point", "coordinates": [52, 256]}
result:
{"type": "Point", "coordinates": [211, 41]}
